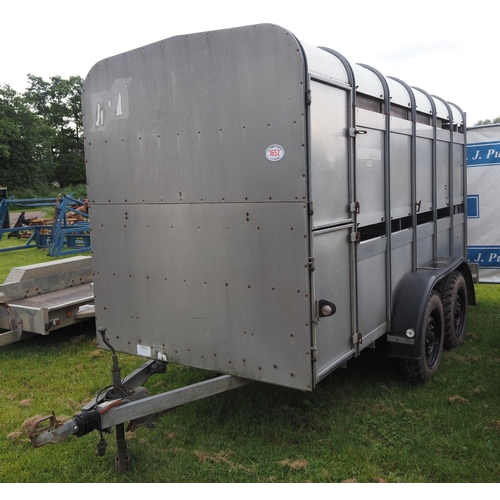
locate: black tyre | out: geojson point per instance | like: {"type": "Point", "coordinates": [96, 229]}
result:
{"type": "Point", "coordinates": [431, 340]}
{"type": "Point", "coordinates": [454, 296]}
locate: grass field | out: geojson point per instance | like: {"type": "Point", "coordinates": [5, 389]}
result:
{"type": "Point", "coordinates": [365, 424]}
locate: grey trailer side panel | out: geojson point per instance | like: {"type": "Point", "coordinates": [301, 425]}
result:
{"type": "Point", "coordinates": [333, 283]}
{"type": "Point", "coordinates": [329, 155]}
{"type": "Point", "coordinates": [443, 172]}
{"type": "Point", "coordinates": [372, 284]}
{"type": "Point", "coordinates": [401, 175]}
{"type": "Point", "coordinates": [370, 167]}
{"type": "Point", "coordinates": [424, 167]}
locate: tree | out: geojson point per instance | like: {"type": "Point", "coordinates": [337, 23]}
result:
{"type": "Point", "coordinates": [58, 103]}
{"type": "Point", "coordinates": [488, 121]}
{"type": "Point", "coordinates": [26, 158]}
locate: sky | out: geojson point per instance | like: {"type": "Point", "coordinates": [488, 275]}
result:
{"type": "Point", "coordinates": [449, 49]}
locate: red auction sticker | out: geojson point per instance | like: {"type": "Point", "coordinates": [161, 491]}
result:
{"type": "Point", "coordinates": [275, 152]}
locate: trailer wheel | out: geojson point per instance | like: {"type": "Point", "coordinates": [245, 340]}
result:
{"type": "Point", "coordinates": [454, 297]}
{"type": "Point", "coordinates": [431, 343]}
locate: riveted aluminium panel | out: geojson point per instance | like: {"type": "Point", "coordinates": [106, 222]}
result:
{"type": "Point", "coordinates": [222, 287]}
{"type": "Point", "coordinates": [189, 119]}
{"type": "Point", "coordinates": [197, 171]}
{"type": "Point", "coordinates": [424, 171]}
{"type": "Point", "coordinates": [371, 276]}
{"type": "Point", "coordinates": [458, 173]}
{"type": "Point", "coordinates": [332, 282]}
{"type": "Point", "coordinates": [370, 167]}
{"type": "Point", "coordinates": [400, 172]}
{"type": "Point", "coordinates": [443, 170]}
{"type": "Point", "coordinates": [329, 161]}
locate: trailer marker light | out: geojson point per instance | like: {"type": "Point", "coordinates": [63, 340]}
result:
{"type": "Point", "coordinates": [326, 308]}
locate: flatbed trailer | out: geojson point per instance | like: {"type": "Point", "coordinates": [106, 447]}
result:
{"type": "Point", "coordinates": [41, 298]}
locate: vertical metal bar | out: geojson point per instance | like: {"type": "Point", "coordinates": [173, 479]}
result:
{"type": "Point", "coordinates": [450, 172]}
{"type": "Point", "coordinates": [434, 177]}
{"type": "Point", "coordinates": [464, 177]}
{"type": "Point", "coordinates": [413, 166]}
{"type": "Point", "coordinates": [122, 461]}
{"type": "Point", "coordinates": [312, 305]}
{"type": "Point", "coordinates": [387, 192]}
{"type": "Point", "coordinates": [351, 156]}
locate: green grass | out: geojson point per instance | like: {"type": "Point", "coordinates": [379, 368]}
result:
{"type": "Point", "coordinates": [364, 424]}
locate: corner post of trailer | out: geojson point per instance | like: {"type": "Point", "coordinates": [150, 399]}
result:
{"type": "Point", "coordinates": [464, 172]}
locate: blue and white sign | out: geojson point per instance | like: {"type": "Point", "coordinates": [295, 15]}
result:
{"type": "Point", "coordinates": [483, 200]}
{"type": "Point", "coordinates": [487, 257]}
{"type": "Point", "coordinates": [483, 154]}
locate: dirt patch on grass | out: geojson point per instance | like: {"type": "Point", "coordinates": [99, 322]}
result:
{"type": "Point", "coordinates": [294, 464]}
{"type": "Point", "coordinates": [221, 457]}
{"type": "Point", "coordinates": [458, 400]}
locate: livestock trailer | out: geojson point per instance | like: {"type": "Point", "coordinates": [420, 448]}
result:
{"type": "Point", "coordinates": [264, 209]}
{"type": "Point", "coordinates": [483, 203]}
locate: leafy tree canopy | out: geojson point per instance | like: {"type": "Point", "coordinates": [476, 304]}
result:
{"type": "Point", "coordinates": [41, 135]}
{"type": "Point", "coordinates": [26, 158]}
{"type": "Point", "coordinates": [488, 121]}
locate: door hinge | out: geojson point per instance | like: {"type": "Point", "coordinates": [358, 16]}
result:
{"type": "Point", "coordinates": [357, 338]}
{"type": "Point", "coordinates": [314, 354]}
{"type": "Point", "coordinates": [310, 208]}
{"type": "Point", "coordinates": [312, 263]}
{"type": "Point", "coordinates": [308, 97]}
{"type": "Point", "coordinates": [356, 237]}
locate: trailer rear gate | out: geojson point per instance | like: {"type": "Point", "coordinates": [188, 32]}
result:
{"type": "Point", "coordinates": [243, 177]}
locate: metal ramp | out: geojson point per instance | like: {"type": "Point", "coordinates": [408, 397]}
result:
{"type": "Point", "coordinates": [41, 298]}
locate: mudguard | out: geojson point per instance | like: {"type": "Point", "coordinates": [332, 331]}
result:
{"type": "Point", "coordinates": [411, 299]}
